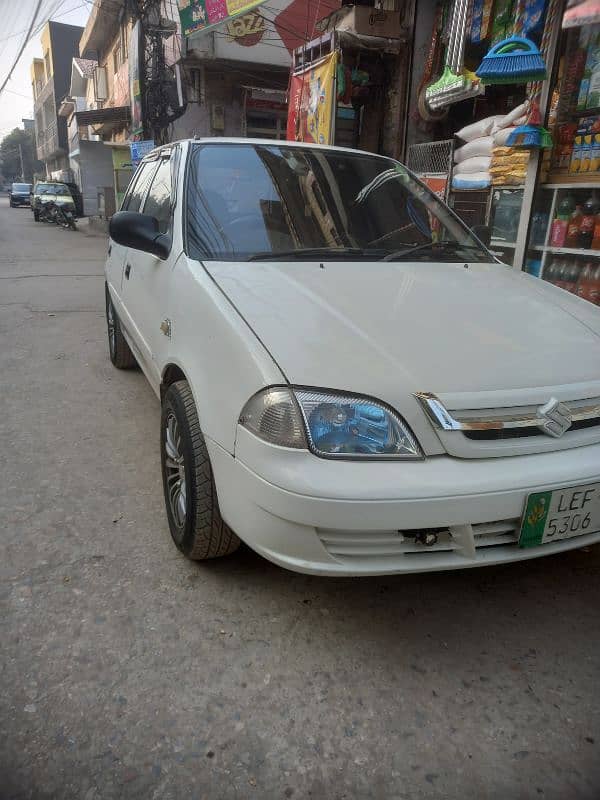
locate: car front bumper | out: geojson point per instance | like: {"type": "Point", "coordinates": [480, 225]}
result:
{"type": "Point", "coordinates": [328, 517]}
{"type": "Point", "coordinates": [20, 201]}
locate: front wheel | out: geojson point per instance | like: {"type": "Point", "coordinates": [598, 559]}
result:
{"type": "Point", "coordinates": [36, 216]}
{"type": "Point", "coordinates": [193, 513]}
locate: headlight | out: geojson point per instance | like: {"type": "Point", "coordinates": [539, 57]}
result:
{"type": "Point", "coordinates": [346, 426]}
{"type": "Point", "coordinates": [332, 425]}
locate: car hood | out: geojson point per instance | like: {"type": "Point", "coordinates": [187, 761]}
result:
{"type": "Point", "coordinates": [384, 327]}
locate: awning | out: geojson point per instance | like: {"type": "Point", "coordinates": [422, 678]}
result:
{"type": "Point", "coordinates": [98, 116]}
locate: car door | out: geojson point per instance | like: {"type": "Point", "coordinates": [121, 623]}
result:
{"type": "Point", "coordinates": [115, 264]}
{"type": "Point", "coordinates": [146, 277]}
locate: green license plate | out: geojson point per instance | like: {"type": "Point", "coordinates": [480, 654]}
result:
{"type": "Point", "coordinates": [560, 514]}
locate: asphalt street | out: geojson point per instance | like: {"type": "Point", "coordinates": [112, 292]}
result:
{"type": "Point", "coordinates": [129, 672]}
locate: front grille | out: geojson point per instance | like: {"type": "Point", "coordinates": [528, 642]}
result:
{"type": "Point", "coordinates": [519, 433]}
{"type": "Point", "coordinates": [452, 542]}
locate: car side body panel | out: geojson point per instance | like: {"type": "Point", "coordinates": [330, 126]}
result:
{"type": "Point", "coordinates": [218, 352]}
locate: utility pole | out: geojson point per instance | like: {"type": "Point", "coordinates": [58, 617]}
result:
{"type": "Point", "coordinates": [162, 100]}
{"type": "Point", "coordinates": [21, 159]}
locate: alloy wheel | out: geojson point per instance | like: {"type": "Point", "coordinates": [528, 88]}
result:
{"type": "Point", "coordinates": [175, 471]}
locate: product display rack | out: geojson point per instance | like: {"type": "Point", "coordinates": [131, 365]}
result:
{"type": "Point", "coordinates": [546, 249]}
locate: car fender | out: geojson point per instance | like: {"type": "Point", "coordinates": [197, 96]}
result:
{"type": "Point", "coordinates": [220, 355]}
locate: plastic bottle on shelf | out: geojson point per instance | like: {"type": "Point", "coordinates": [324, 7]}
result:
{"type": "Point", "coordinates": [572, 235]}
{"type": "Point", "coordinates": [560, 278]}
{"type": "Point", "coordinates": [549, 273]}
{"type": "Point", "coordinates": [588, 224]}
{"type": "Point", "coordinates": [596, 239]}
{"type": "Point", "coordinates": [594, 293]}
{"type": "Point", "coordinates": [570, 273]}
{"type": "Point", "coordinates": [586, 278]}
{"type": "Point", "coordinates": [560, 224]}
{"type": "Point", "coordinates": [539, 224]}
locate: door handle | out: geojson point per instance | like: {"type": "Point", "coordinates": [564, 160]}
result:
{"type": "Point", "coordinates": [127, 270]}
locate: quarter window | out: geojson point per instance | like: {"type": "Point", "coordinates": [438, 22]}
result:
{"type": "Point", "coordinates": [158, 202]}
{"type": "Point", "coordinates": [141, 180]}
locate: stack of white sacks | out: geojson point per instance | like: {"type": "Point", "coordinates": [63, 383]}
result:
{"type": "Point", "coordinates": [472, 161]}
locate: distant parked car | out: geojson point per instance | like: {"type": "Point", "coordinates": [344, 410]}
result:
{"type": "Point", "coordinates": [19, 194]}
{"type": "Point", "coordinates": [59, 193]}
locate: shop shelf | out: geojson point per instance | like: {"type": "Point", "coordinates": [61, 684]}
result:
{"type": "Point", "coordinates": [502, 243]}
{"type": "Point", "coordinates": [567, 251]}
{"type": "Point", "coordinates": [572, 182]}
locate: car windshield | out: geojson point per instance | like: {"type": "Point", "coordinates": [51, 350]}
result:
{"type": "Point", "coordinates": [21, 187]}
{"type": "Point", "coordinates": [60, 190]}
{"type": "Point", "coordinates": [273, 202]}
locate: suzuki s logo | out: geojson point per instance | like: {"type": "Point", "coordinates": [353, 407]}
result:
{"type": "Point", "coordinates": [555, 418]}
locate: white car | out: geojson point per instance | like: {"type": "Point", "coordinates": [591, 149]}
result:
{"type": "Point", "coordinates": [350, 382]}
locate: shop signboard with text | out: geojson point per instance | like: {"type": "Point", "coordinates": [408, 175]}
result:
{"type": "Point", "coordinates": [203, 15]}
{"type": "Point", "coordinates": [260, 34]}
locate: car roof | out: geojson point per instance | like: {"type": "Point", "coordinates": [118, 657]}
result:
{"type": "Point", "coordinates": [214, 140]}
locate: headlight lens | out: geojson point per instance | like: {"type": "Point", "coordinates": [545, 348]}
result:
{"type": "Point", "coordinates": [338, 425]}
{"type": "Point", "coordinates": [355, 427]}
{"type": "Point", "coordinates": [273, 415]}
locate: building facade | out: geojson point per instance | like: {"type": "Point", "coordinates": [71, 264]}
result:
{"type": "Point", "coordinates": [89, 158]}
{"type": "Point", "coordinates": [237, 75]}
{"type": "Point", "coordinates": [50, 78]}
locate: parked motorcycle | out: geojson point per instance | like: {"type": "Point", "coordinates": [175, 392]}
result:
{"type": "Point", "coordinates": [60, 214]}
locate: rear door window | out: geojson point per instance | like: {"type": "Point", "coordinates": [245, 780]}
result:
{"type": "Point", "coordinates": [141, 180]}
{"type": "Point", "coordinates": [158, 201]}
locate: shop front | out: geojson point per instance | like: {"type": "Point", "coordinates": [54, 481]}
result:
{"type": "Point", "coordinates": [349, 86]}
{"type": "Point", "coordinates": [510, 92]}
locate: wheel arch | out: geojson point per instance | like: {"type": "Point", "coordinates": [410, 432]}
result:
{"type": "Point", "coordinates": [170, 374]}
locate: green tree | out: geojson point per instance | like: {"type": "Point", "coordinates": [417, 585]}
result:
{"type": "Point", "coordinates": [12, 146]}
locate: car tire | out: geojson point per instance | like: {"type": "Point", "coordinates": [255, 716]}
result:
{"type": "Point", "coordinates": [118, 349]}
{"type": "Point", "coordinates": [195, 521]}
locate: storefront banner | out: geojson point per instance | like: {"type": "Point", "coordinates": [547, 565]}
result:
{"type": "Point", "coordinates": [312, 103]}
{"type": "Point", "coordinates": [135, 91]}
{"type": "Point", "coordinates": [203, 15]}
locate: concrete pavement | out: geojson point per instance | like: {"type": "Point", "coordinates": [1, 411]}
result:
{"type": "Point", "coordinates": [129, 672]}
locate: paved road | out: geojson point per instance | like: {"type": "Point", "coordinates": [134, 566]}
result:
{"type": "Point", "coordinates": [129, 672]}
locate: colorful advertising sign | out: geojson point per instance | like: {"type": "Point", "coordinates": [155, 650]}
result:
{"type": "Point", "coordinates": [312, 103]}
{"type": "Point", "coordinates": [201, 15]}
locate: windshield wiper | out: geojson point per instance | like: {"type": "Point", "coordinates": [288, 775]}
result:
{"type": "Point", "coordinates": [448, 247]}
{"type": "Point", "coordinates": [307, 252]}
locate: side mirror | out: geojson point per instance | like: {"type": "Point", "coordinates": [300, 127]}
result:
{"type": "Point", "coordinates": [483, 233]}
{"type": "Point", "coordinates": [140, 232]}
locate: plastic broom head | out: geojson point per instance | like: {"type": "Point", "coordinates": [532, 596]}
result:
{"type": "Point", "coordinates": [513, 60]}
{"type": "Point", "coordinates": [527, 137]}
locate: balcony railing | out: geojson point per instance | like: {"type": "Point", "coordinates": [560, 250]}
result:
{"type": "Point", "coordinates": [44, 93]}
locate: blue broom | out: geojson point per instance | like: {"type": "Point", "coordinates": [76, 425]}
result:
{"type": "Point", "coordinates": [531, 136]}
{"type": "Point", "coordinates": [516, 59]}
{"type": "Point", "coordinates": [513, 60]}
